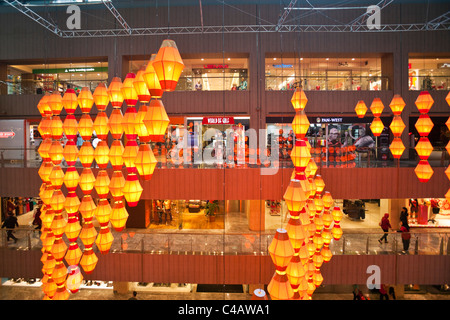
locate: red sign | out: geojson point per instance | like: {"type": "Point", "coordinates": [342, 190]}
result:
{"type": "Point", "coordinates": [9, 134]}
{"type": "Point", "coordinates": [215, 66]}
{"type": "Point", "coordinates": [218, 120]}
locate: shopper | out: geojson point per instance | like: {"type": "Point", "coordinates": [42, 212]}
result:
{"type": "Point", "coordinates": [385, 225]}
{"type": "Point", "coordinates": [383, 293]}
{"type": "Point", "coordinates": [406, 238]}
{"type": "Point", "coordinates": [37, 219]}
{"type": "Point", "coordinates": [134, 296]}
{"type": "Point", "coordinates": [10, 223]}
{"type": "Point", "coordinates": [404, 217]}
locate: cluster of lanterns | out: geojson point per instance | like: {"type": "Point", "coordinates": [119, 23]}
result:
{"type": "Point", "coordinates": [299, 250]}
{"type": "Point", "coordinates": [149, 124]}
{"type": "Point", "coordinates": [447, 147]}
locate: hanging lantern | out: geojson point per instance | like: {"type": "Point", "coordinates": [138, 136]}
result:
{"type": "Point", "coordinates": [296, 233]}
{"type": "Point", "coordinates": [115, 92]}
{"type": "Point", "coordinates": [168, 65]}
{"type": "Point", "coordinates": [88, 234]}
{"type": "Point", "coordinates": [45, 170]}
{"type": "Point", "coordinates": [424, 125]}
{"type": "Point", "coordinates": [132, 189]}
{"type": "Point", "coordinates": [397, 126]}
{"type": "Point", "coordinates": [72, 203]}
{"type": "Point", "coordinates": [70, 153]}
{"type": "Point", "coordinates": [151, 79]}
{"type": "Point", "coordinates": [86, 127]}
{"type": "Point", "coordinates": [87, 181]}
{"type": "Point", "coordinates": [300, 125]}
{"type": "Point", "coordinates": [156, 120]}
{"type": "Point", "coordinates": [88, 260]}
{"type": "Point", "coordinates": [85, 100]}
{"type": "Point", "coordinates": [101, 184]}
{"type": "Point", "coordinates": [281, 250]}
{"type": "Point", "coordinates": [423, 171]}
{"type": "Point", "coordinates": [424, 102]}
{"type": "Point", "coordinates": [141, 129]}
{"type": "Point", "coordinates": [424, 148]}
{"type": "Point", "coordinates": [71, 179]}
{"type": "Point", "coordinates": [294, 197]}
{"type": "Point", "coordinates": [104, 240]}
{"type": "Point", "coordinates": [43, 107]}
{"type": "Point", "coordinates": [377, 127]}
{"type": "Point", "coordinates": [320, 184]}
{"type": "Point", "coordinates": [57, 203]}
{"type": "Point", "coordinates": [115, 154]}
{"type": "Point", "coordinates": [119, 216]}
{"type": "Point", "coordinates": [145, 162]}
{"type": "Point", "coordinates": [73, 228]}
{"type": "Point", "coordinates": [101, 126]}
{"type": "Point", "coordinates": [86, 154]}
{"type": "Point", "coordinates": [70, 101]}
{"type": "Point", "coordinates": [87, 207]}
{"type": "Point", "coordinates": [74, 279]}
{"type": "Point", "coordinates": [129, 155]}
{"type": "Point", "coordinates": [101, 154]}
{"type": "Point", "coordinates": [55, 103]}
{"type": "Point", "coordinates": [115, 124]}
{"type": "Point", "coordinates": [129, 92]}
{"type": "Point", "coordinates": [397, 147]}
{"type": "Point", "coordinates": [70, 127]}
{"type": "Point", "coordinates": [58, 251]}
{"type": "Point", "coordinates": [299, 99]}
{"type": "Point", "coordinates": [103, 211]}
{"type": "Point", "coordinates": [59, 274]}
{"type": "Point", "coordinates": [397, 104]}
{"type": "Point", "coordinates": [279, 287]}
{"type": "Point", "coordinates": [116, 185]}
{"type": "Point", "coordinates": [327, 200]}
{"type": "Point", "coordinates": [49, 286]}
{"type": "Point", "coordinates": [101, 97]}
{"type": "Point", "coordinates": [300, 155]}
{"type": "Point", "coordinates": [377, 107]}
{"type": "Point", "coordinates": [56, 152]}
{"type": "Point", "coordinates": [337, 214]}
{"type": "Point", "coordinates": [141, 87]}
{"type": "Point", "coordinates": [326, 253]}
{"type": "Point", "coordinates": [336, 232]}
{"type": "Point", "coordinates": [43, 149]}
{"type": "Point", "coordinates": [56, 127]}
{"type": "Point", "coordinates": [360, 109]}
{"type": "Point", "coordinates": [73, 255]}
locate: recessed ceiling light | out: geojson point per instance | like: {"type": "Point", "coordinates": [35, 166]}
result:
{"type": "Point", "coordinates": [274, 59]}
{"type": "Point", "coordinates": [327, 59]}
{"type": "Point", "coordinates": [301, 58]}
{"type": "Point", "coordinates": [353, 58]}
{"type": "Point", "coordinates": [228, 59]}
{"type": "Point", "coordinates": [203, 59]}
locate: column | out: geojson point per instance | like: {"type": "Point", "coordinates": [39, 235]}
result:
{"type": "Point", "coordinates": [255, 210]}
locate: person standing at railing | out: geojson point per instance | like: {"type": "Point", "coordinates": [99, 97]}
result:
{"type": "Point", "coordinates": [10, 223]}
{"type": "Point", "coordinates": [385, 225]}
{"type": "Point", "coordinates": [406, 238]}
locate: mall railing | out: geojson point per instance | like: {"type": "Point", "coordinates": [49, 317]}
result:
{"type": "Point", "coordinates": [327, 83]}
{"type": "Point", "coordinates": [36, 87]}
{"type": "Point", "coordinates": [429, 83]}
{"type": "Point", "coordinates": [324, 158]}
{"type": "Point", "coordinates": [221, 243]}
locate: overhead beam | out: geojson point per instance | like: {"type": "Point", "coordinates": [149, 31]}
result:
{"type": "Point", "coordinates": [117, 15]}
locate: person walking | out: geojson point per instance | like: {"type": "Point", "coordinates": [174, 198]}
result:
{"type": "Point", "coordinates": [385, 225]}
{"type": "Point", "coordinates": [406, 237]}
{"type": "Point", "coordinates": [10, 223]}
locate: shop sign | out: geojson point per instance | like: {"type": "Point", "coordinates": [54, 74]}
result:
{"type": "Point", "coordinates": [329, 120]}
{"type": "Point", "coordinates": [283, 65]}
{"type": "Point", "coordinates": [7, 134]}
{"type": "Point", "coordinates": [215, 66]}
{"type": "Point", "coordinates": [70, 70]}
{"type": "Point", "coordinates": [218, 120]}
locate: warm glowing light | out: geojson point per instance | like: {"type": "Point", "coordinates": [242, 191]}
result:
{"type": "Point", "coordinates": [132, 189]}
{"type": "Point", "coordinates": [299, 99]}
{"type": "Point", "coordinates": [168, 65]}
{"type": "Point", "coordinates": [85, 100]}
{"type": "Point", "coordinates": [376, 107]}
{"type": "Point", "coordinates": [281, 250]}
{"type": "Point", "coordinates": [115, 92]}
{"type": "Point", "coordinates": [424, 148]}
{"type": "Point", "coordinates": [424, 125]}
{"type": "Point", "coordinates": [294, 197]}
{"type": "Point", "coordinates": [377, 127]}
{"type": "Point", "coordinates": [129, 92]}
{"type": "Point", "coordinates": [424, 102]}
{"type": "Point", "coordinates": [151, 79]}
{"type": "Point", "coordinates": [397, 104]}
{"type": "Point", "coordinates": [300, 125]}
{"type": "Point", "coordinates": [156, 120]}
{"type": "Point", "coordinates": [101, 97]}
{"type": "Point", "coordinates": [397, 147]}
{"type": "Point", "coordinates": [397, 126]}
{"type": "Point", "coordinates": [70, 101]}
{"type": "Point", "coordinates": [360, 109]}
{"type": "Point", "coordinates": [423, 171]}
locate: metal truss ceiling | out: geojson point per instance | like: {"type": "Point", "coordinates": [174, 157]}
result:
{"type": "Point", "coordinates": [441, 23]}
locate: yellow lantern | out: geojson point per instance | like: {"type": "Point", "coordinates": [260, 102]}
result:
{"type": "Point", "coordinates": [104, 240]}
{"type": "Point", "coordinates": [57, 203]}
{"type": "Point", "coordinates": [88, 234]}
{"type": "Point", "coordinates": [103, 212]}
{"type": "Point", "coordinates": [397, 147]}
{"type": "Point", "coordinates": [300, 155]}
{"type": "Point", "coordinates": [115, 123]}
{"type": "Point", "coordinates": [101, 154]}
{"type": "Point", "coordinates": [119, 216]}
{"type": "Point", "coordinates": [101, 97]}
{"type": "Point", "coordinates": [360, 109]}
{"type": "Point", "coordinates": [327, 200]}
{"type": "Point", "coordinates": [74, 278]}
{"type": "Point", "coordinates": [141, 129]}
{"type": "Point", "coordinates": [299, 99]}
{"type": "Point", "coordinates": [294, 197]}
{"type": "Point", "coordinates": [56, 152]}
{"type": "Point", "coordinates": [296, 232]}
{"type": "Point", "coordinates": [87, 181]}
{"type": "Point", "coordinates": [320, 184]}
{"type": "Point", "coordinates": [59, 274]}
{"type": "Point", "coordinates": [377, 126]}
{"type": "Point", "coordinates": [56, 127]}
{"type": "Point", "coordinates": [45, 170]}
{"type": "Point", "coordinates": [397, 126]}
{"type": "Point", "coordinates": [115, 154]}
{"type": "Point", "coordinates": [70, 101]}
{"type": "Point", "coordinates": [115, 92]}
{"type": "Point", "coordinates": [43, 107]}
{"type": "Point", "coordinates": [59, 249]}
{"type": "Point", "coordinates": [70, 127]}
{"type": "Point", "coordinates": [129, 155]}
{"type": "Point", "coordinates": [85, 100]}
{"type": "Point", "coordinates": [73, 255]}
{"type": "Point", "coordinates": [71, 179]}
{"type": "Point", "coordinates": [423, 171]}
{"type": "Point", "coordinates": [145, 162]}
{"type": "Point", "coordinates": [295, 271]}
{"type": "Point", "coordinates": [86, 154]}
{"type": "Point", "coordinates": [70, 153]}
{"type": "Point", "coordinates": [327, 219]}
{"type": "Point", "coordinates": [141, 87]}
{"type": "Point", "coordinates": [336, 232]}
{"type": "Point", "coordinates": [43, 149]}
{"type": "Point", "coordinates": [129, 123]}
{"type": "Point", "coordinates": [168, 65]}
{"type": "Point", "coordinates": [116, 185]}
{"type": "Point", "coordinates": [129, 92]}
{"type": "Point", "coordinates": [72, 203]}
{"type": "Point", "coordinates": [397, 104]}
{"type": "Point", "coordinates": [101, 126]}
{"type": "Point", "coordinates": [101, 184]}
{"type": "Point", "coordinates": [300, 125]}
{"type": "Point", "coordinates": [424, 148]}
{"type": "Point", "coordinates": [377, 107]}
{"type": "Point", "coordinates": [151, 79]}
{"type": "Point", "coordinates": [424, 102]}
{"type": "Point", "coordinates": [55, 103]}
{"type": "Point", "coordinates": [337, 214]}
{"type": "Point", "coordinates": [87, 207]}
{"type": "Point", "coordinates": [88, 260]}
{"type": "Point", "coordinates": [281, 250]}
{"type": "Point", "coordinates": [132, 189]}
{"type": "Point", "coordinates": [326, 253]}
{"type": "Point", "coordinates": [86, 127]}
{"type": "Point", "coordinates": [424, 125]}
{"type": "Point", "coordinates": [156, 120]}
{"type": "Point", "coordinates": [279, 287]}
{"type": "Point", "coordinates": [48, 239]}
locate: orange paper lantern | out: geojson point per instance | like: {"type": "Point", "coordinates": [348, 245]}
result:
{"type": "Point", "coordinates": [360, 109]}
{"type": "Point", "coordinates": [294, 197]}
{"type": "Point", "coordinates": [397, 126]}
{"type": "Point", "coordinates": [397, 104]}
{"type": "Point", "coordinates": [151, 79]}
{"type": "Point", "coordinates": [377, 107]}
{"type": "Point", "coordinates": [377, 127]}
{"type": "Point", "coordinates": [101, 97]}
{"type": "Point", "coordinates": [397, 147]}
{"type": "Point", "coordinates": [119, 216]}
{"type": "Point", "coordinates": [424, 102]}
{"type": "Point", "coordinates": [104, 240]}
{"type": "Point", "coordinates": [86, 127]}
{"type": "Point", "coordinates": [280, 288]}
{"type": "Point", "coordinates": [115, 92]}
{"type": "Point", "coordinates": [70, 101]}
{"type": "Point", "coordinates": [300, 155]}
{"type": "Point", "coordinates": [423, 171]}
{"type": "Point", "coordinates": [299, 99]}
{"type": "Point", "coordinates": [101, 154]}
{"type": "Point", "coordinates": [55, 103]}
{"type": "Point", "coordinates": [300, 125]}
{"type": "Point", "coordinates": [132, 189]}
{"type": "Point", "coordinates": [145, 162]}
{"type": "Point", "coordinates": [168, 65]}
{"type": "Point", "coordinates": [115, 124]}
{"type": "Point", "coordinates": [141, 87]}
{"type": "Point", "coordinates": [424, 125]}
{"type": "Point", "coordinates": [129, 92]}
{"type": "Point", "coordinates": [424, 148]}
{"type": "Point", "coordinates": [281, 250]}
{"type": "Point", "coordinates": [85, 100]}
{"type": "Point", "coordinates": [101, 126]}
{"type": "Point", "coordinates": [156, 120]}
{"type": "Point", "coordinates": [88, 260]}
{"type": "Point", "coordinates": [70, 127]}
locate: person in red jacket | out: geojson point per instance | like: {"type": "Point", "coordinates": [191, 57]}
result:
{"type": "Point", "coordinates": [385, 225]}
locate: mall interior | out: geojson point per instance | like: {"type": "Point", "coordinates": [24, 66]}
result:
{"type": "Point", "coordinates": [217, 199]}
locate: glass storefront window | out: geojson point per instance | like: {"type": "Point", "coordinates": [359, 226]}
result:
{"type": "Point", "coordinates": [287, 71]}
{"type": "Point", "coordinates": [427, 72]}
{"type": "Point", "coordinates": [41, 78]}
{"type": "Point", "coordinates": [210, 72]}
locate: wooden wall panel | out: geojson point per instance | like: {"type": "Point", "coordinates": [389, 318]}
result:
{"type": "Point", "coordinates": [421, 269]}
{"type": "Point", "coordinates": [20, 263]}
